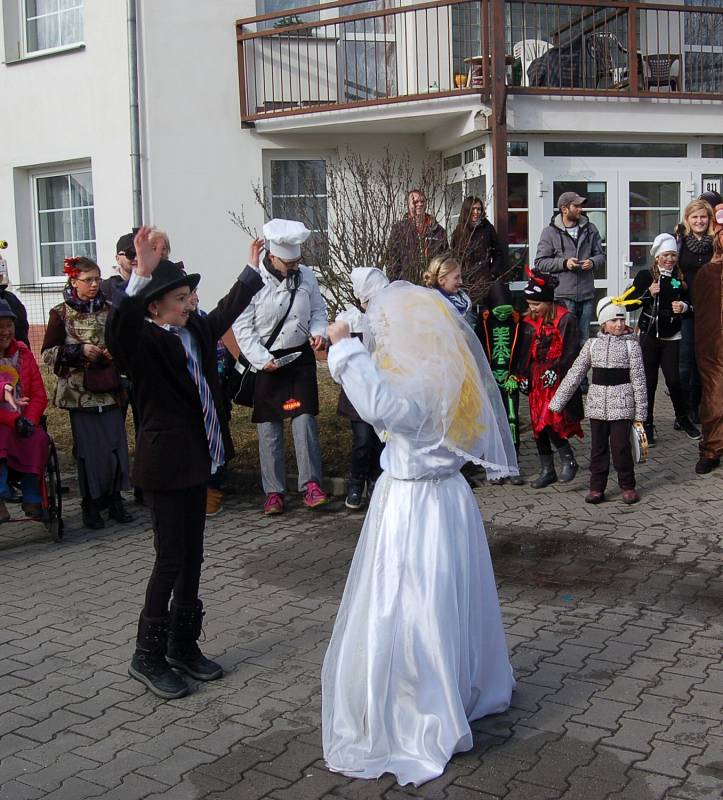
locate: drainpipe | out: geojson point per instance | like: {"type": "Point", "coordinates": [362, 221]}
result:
{"type": "Point", "coordinates": [134, 115]}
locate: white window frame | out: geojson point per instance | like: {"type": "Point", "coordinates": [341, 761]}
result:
{"type": "Point", "coordinates": [52, 172]}
{"type": "Point", "coordinates": [25, 53]}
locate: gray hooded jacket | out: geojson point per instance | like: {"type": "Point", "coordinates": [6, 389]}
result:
{"type": "Point", "coordinates": [556, 246]}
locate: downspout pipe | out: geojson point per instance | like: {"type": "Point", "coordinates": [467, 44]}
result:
{"type": "Point", "coordinates": [136, 185]}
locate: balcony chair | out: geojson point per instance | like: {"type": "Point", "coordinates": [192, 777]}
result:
{"type": "Point", "coordinates": [526, 51]}
{"type": "Point", "coordinates": [605, 49]}
{"type": "Point", "coordinates": [661, 70]}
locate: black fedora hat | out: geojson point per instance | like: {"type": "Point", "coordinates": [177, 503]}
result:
{"type": "Point", "coordinates": [166, 277]}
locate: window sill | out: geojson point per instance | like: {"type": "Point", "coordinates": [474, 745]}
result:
{"type": "Point", "coordinates": [57, 51]}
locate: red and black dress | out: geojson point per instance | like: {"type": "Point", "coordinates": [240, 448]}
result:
{"type": "Point", "coordinates": [551, 349]}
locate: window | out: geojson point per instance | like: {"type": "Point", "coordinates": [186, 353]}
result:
{"type": "Point", "coordinates": [474, 154]}
{"type": "Point", "coordinates": [654, 209]}
{"type": "Point", "coordinates": [595, 208]}
{"type": "Point", "coordinates": [703, 48]}
{"type": "Point", "coordinates": [455, 192]}
{"type": "Point", "coordinates": [368, 60]}
{"type": "Point", "coordinates": [50, 24]}
{"type": "Point", "coordinates": [518, 218]}
{"type": "Point", "coordinates": [711, 150]}
{"type": "Point", "coordinates": [64, 219]}
{"type": "Point", "coordinates": [617, 149]}
{"type": "Point", "coordinates": [279, 6]}
{"type": "Point", "coordinates": [517, 148]}
{"type": "Point", "coordinates": [298, 191]}
{"type": "Point", "coordinates": [451, 162]}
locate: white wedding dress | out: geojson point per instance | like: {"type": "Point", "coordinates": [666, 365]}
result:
{"type": "Point", "coordinates": [418, 648]}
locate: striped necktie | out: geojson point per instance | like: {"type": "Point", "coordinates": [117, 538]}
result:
{"type": "Point", "coordinates": [210, 417]}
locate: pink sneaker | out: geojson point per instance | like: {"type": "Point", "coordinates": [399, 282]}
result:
{"type": "Point", "coordinates": [274, 504]}
{"type": "Point", "coordinates": [314, 495]}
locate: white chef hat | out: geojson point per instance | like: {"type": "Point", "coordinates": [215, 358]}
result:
{"type": "Point", "coordinates": [366, 282]}
{"type": "Point", "coordinates": [284, 238]}
{"type": "Point", "coordinates": [608, 309]}
{"type": "Point", "coordinates": [663, 243]}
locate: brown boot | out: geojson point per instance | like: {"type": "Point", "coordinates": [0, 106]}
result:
{"type": "Point", "coordinates": [4, 513]}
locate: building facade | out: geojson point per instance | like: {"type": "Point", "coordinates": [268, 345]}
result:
{"type": "Point", "coordinates": [621, 102]}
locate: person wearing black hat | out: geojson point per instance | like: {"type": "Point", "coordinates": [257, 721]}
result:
{"type": "Point", "coordinates": [550, 346]}
{"type": "Point", "coordinates": [498, 329]}
{"type": "Point", "coordinates": [126, 262]}
{"type": "Point", "coordinates": [169, 352]}
{"type": "Point", "coordinates": [23, 443]}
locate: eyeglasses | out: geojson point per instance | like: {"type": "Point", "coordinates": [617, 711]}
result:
{"type": "Point", "coordinates": [289, 264]}
{"type": "Point", "coordinates": [89, 281]}
{"type": "Point", "coordinates": [130, 253]}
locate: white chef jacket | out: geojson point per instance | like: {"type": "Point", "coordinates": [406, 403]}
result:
{"type": "Point", "coordinates": [269, 305]}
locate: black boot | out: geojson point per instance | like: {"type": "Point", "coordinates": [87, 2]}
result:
{"type": "Point", "coordinates": [183, 652]}
{"type": "Point", "coordinates": [117, 510]}
{"type": "Point", "coordinates": [685, 425]}
{"type": "Point", "coordinates": [569, 465]}
{"type": "Point", "coordinates": [547, 475]}
{"type": "Point", "coordinates": [91, 515]}
{"type": "Point", "coordinates": [354, 494]}
{"type": "Point", "coordinates": [149, 665]}
{"type": "Point", "coordinates": [650, 433]}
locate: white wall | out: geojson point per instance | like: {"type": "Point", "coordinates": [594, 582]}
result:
{"type": "Point", "coordinates": [68, 107]}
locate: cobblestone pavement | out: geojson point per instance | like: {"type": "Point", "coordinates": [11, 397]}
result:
{"type": "Point", "coordinates": [613, 616]}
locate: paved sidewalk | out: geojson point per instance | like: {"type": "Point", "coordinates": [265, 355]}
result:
{"type": "Point", "coordinates": [613, 616]}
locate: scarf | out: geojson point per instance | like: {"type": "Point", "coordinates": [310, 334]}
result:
{"type": "Point", "coordinates": [70, 296]}
{"type": "Point", "coordinates": [699, 247]}
{"type": "Point", "coordinates": [460, 301]}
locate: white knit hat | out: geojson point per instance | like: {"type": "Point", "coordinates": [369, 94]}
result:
{"type": "Point", "coordinates": [607, 310]}
{"type": "Point", "coordinates": [284, 238]}
{"type": "Point", "coordinates": [366, 282]}
{"type": "Point", "coordinates": [664, 243]}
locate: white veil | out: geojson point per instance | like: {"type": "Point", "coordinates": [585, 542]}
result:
{"type": "Point", "coordinates": [430, 355]}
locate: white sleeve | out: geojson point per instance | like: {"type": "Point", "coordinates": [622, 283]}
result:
{"type": "Point", "coordinates": [136, 283]}
{"type": "Point", "coordinates": [319, 319]}
{"type": "Point", "coordinates": [248, 340]}
{"type": "Point", "coordinates": [375, 400]}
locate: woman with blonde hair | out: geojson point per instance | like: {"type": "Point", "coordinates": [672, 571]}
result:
{"type": "Point", "coordinates": [444, 274]}
{"type": "Point", "coordinates": [695, 248]}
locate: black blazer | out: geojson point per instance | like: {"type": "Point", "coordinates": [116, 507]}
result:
{"type": "Point", "coordinates": [171, 446]}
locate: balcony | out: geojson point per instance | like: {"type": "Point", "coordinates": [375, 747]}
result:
{"type": "Point", "coordinates": [350, 54]}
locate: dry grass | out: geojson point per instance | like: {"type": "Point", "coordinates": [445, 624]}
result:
{"type": "Point", "coordinates": [335, 431]}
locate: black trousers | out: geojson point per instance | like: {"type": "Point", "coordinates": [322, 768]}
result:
{"type": "Point", "coordinates": [657, 355]}
{"type": "Point", "coordinates": [547, 439]}
{"type": "Point", "coordinates": [366, 449]}
{"type": "Point", "coordinates": [689, 376]}
{"type": "Point", "coordinates": [611, 437]}
{"type": "Point", "coordinates": [178, 518]}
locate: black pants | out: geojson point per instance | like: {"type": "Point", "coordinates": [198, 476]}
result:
{"type": "Point", "coordinates": [657, 355]}
{"type": "Point", "coordinates": [365, 451]}
{"type": "Point", "coordinates": [547, 439]}
{"type": "Point", "coordinates": [689, 376]}
{"type": "Point", "coordinates": [611, 437]}
{"type": "Point", "coordinates": [178, 518]}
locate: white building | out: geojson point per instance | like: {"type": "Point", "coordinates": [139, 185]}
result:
{"type": "Point", "coordinates": [621, 103]}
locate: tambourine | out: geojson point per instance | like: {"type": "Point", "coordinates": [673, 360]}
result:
{"type": "Point", "coordinates": [639, 442]}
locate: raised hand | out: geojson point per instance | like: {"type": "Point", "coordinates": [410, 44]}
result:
{"type": "Point", "coordinates": [337, 331]}
{"type": "Point", "coordinates": [148, 258]}
{"type": "Point", "coordinates": [255, 250]}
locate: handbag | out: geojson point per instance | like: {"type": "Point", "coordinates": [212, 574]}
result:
{"type": "Point", "coordinates": [244, 394]}
{"type": "Point", "coordinates": [101, 379]}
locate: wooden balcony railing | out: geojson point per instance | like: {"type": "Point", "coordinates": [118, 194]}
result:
{"type": "Point", "coordinates": [348, 53]}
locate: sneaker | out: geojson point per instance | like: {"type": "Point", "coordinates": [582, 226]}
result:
{"type": "Point", "coordinates": [314, 496]}
{"type": "Point", "coordinates": [688, 428]}
{"type": "Point", "coordinates": [354, 499]}
{"type": "Point", "coordinates": [706, 465]}
{"type": "Point", "coordinates": [4, 513]}
{"type": "Point", "coordinates": [214, 502]}
{"type": "Point", "coordinates": [630, 496]}
{"type": "Point", "coordinates": [33, 511]}
{"type": "Point", "coordinates": [594, 497]}
{"type": "Point", "coordinates": [274, 504]}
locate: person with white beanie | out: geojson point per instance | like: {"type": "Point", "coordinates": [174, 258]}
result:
{"type": "Point", "coordinates": [616, 397]}
{"type": "Point", "coordinates": [278, 334]}
{"type": "Point", "coordinates": [663, 294]}
{"type": "Point", "coordinates": [366, 446]}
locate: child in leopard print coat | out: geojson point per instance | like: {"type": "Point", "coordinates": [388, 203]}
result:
{"type": "Point", "coordinates": [617, 396]}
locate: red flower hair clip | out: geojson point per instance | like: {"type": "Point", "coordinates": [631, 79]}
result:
{"type": "Point", "coordinates": [70, 266]}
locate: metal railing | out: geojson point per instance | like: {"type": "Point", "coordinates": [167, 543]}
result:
{"type": "Point", "coordinates": [349, 53]}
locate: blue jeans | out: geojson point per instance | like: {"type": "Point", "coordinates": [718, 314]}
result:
{"type": "Point", "coordinates": [28, 484]}
{"type": "Point", "coordinates": [583, 310]}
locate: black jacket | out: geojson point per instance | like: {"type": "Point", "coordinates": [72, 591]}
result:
{"type": "Point", "coordinates": [172, 447]}
{"type": "Point", "coordinates": [409, 251]}
{"type": "Point", "coordinates": [481, 257]}
{"type": "Point", "coordinates": [657, 317]}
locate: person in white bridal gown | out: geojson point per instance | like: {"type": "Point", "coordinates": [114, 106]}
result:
{"type": "Point", "coordinates": [418, 648]}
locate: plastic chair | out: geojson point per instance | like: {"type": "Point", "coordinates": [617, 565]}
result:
{"type": "Point", "coordinates": [526, 51]}
{"type": "Point", "coordinates": [604, 49]}
{"type": "Point", "coordinates": [661, 69]}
